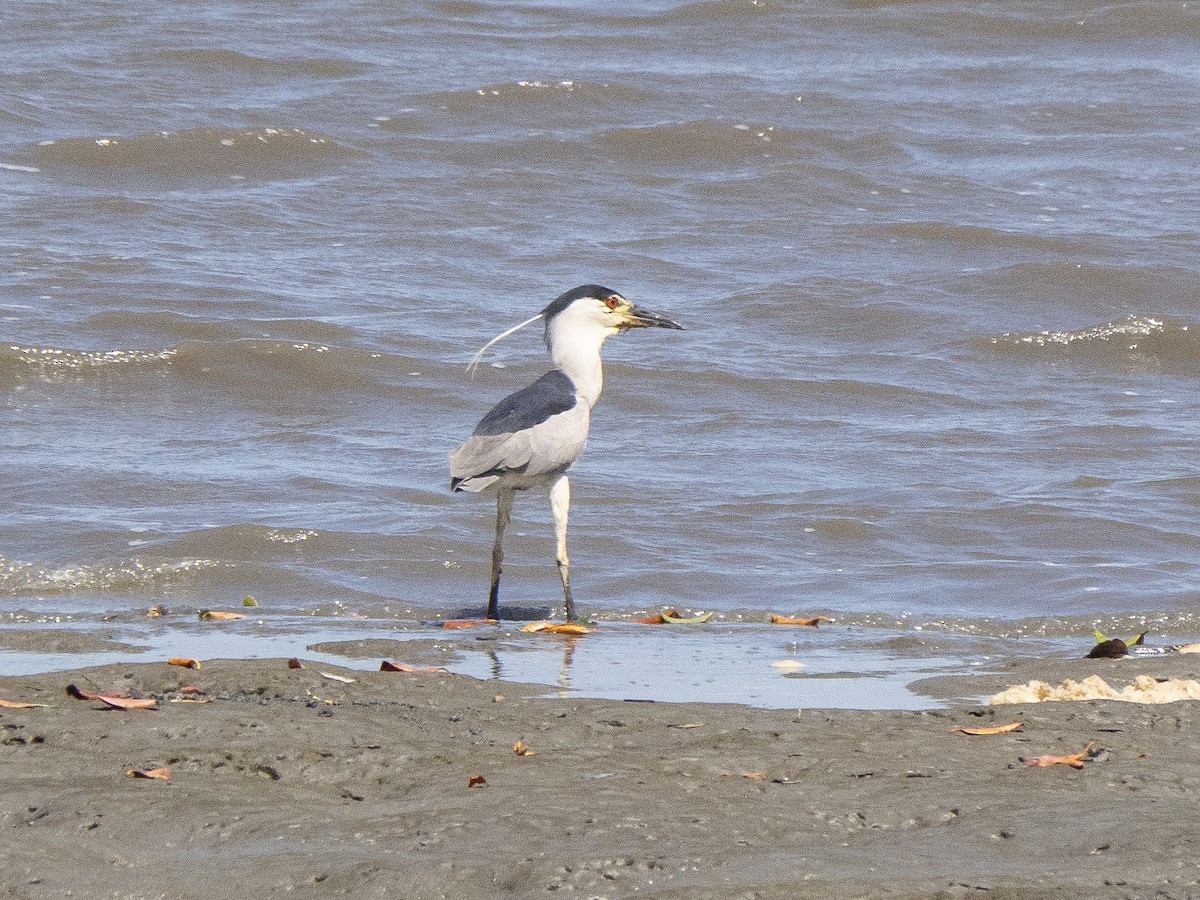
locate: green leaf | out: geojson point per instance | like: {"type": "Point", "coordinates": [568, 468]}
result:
{"type": "Point", "coordinates": [681, 620]}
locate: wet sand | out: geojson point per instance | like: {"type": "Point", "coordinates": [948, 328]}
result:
{"type": "Point", "coordinates": [290, 782]}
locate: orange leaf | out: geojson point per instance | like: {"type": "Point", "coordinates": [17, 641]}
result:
{"type": "Point", "coordinates": [521, 749]}
{"type": "Point", "coordinates": [126, 702]}
{"type": "Point", "coordinates": [184, 661]}
{"type": "Point", "coordinates": [465, 623]}
{"type": "Point", "coordinates": [17, 704]}
{"type": "Point", "coordinates": [557, 627]}
{"type": "Point", "coordinates": [659, 618]}
{"type": "Point", "coordinates": [163, 774]}
{"type": "Point", "coordinates": [788, 620]}
{"type": "Point", "coordinates": [476, 781]}
{"type": "Point", "coordinates": [1074, 760]}
{"type": "Point", "coordinates": [990, 729]}
{"type": "Point", "coordinates": [759, 775]}
{"type": "Point", "coordinates": [116, 701]}
{"type": "Point", "coordinates": [220, 615]}
{"type": "Point", "coordinates": [388, 666]}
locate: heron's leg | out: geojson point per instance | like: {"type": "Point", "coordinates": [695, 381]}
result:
{"type": "Point", "coordinates": [504, 502]}
{"type": "Point", "coordinates": [560, 501]}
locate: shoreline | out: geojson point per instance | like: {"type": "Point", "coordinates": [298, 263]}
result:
{"type": "Point", "coordinates": [289, 780]}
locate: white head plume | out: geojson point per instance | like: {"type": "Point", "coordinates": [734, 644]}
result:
{"type": "Point", "coordinates": [474, 364]}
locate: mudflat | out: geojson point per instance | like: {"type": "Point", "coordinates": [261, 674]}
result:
{"type": "Point", "coordinates": [284, 781]}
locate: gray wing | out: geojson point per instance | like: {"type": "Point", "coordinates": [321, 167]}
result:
{"type": "Point", "coordinates": [535, 433]}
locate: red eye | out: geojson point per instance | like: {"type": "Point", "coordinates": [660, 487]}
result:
{"type": "Point", "coordinates": [611, 302]}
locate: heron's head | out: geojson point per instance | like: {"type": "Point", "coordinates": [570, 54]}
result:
{"type": "Point", "coordinates": [598, 310]}
{"type": "Point", "coordinates": [585, 317]}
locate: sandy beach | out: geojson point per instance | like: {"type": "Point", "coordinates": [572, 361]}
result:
{"type": "Point", "coordinates": [406, 784]}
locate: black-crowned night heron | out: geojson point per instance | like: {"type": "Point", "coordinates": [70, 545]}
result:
{"type": "Point", "coordinates": [531, 438]}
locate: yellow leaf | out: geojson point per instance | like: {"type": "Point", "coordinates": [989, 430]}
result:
{"type": "Point", "coordinates": [521, 749]}
{"type": "Point", "coordinates": [557, 627]}
{"type": "Point", "coordinates": [789, 620]}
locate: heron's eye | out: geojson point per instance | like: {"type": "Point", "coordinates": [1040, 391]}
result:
{"type": "Point", "coordinates": [612, 302]}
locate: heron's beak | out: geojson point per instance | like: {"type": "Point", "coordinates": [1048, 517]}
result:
{"type": "Point", "coordinates": [637, 317]}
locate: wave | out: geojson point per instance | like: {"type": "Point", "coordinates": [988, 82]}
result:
{"type": "Point", "coordinates": [728, 141]}
{"type": "Point", "coordinates": [233, 61]}
{"type": "Point", "coordinates": [243, 365]}
{"type": "Point", "coordinates": [983, 238]}
{"type": "Point", "coordinates": [198, 151]}
{"type": "Point", "coordinates": [1136, 342]}
{"type": "Point", "coordinates": [530, 97]}
{"type": "Point", "coordinates": [124, 575]}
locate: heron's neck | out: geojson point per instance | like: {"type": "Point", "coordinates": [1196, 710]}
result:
{"type": "Point", "coordinates": [577, 355]}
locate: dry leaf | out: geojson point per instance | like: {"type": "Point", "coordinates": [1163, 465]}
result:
{"type": "Point", "coordinates": [294, 663]}
{"type": "Point", "coordinates": [1074, 760]}
{"type": "Point", "coordinates": [155, 611]}
{"type": "Point", "coordinates": [789, 620]}
{"type": "Point", "coordinates": [126, 702]}
{"type": "Point", "coordinates": [184, 661]}
{"type": "Point", "coordinates": [162, 774]}
{"type": "Point", "coordinates": [989, 729]}
{"type": "Point", "coordinates": [116, 701]}
{"type": "Point", "coordinates": [758, 775]}
{"type": "Point", "coordinates": [557, 627]}
{"type": "Point", "coordinates": [686, 620]}
{"type": "Point", "coordinates": [220, 615]}
{"type": "Point", "coordinates": [1188, 648]}
{"type": "Point", "coordinates": [342, 678]}
{"type": "Point", "coordinates": [687, 725]}
{"type": "Point", "coordinates": [476, 781]}
{"type": "Point", "coordinates": [17, 704]}
{"type": "Point", "coordinates": [388, 666]}
{"type": "Point", "coordinates": [521, 749]}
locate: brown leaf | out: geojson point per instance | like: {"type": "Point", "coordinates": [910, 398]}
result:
{"type": "Point", "coordinates": [521, 749]}
{"type": "Point", "coordinates": [1114, 648]}
{"type": "Point", "coordinates": [163, 774]}
{"type": "Point", "coordinates": [476, 781]}
{"type": "Point", "coordinates": [1074, 760]}
{"type": "Point", "coordinates": [294, 663]}
{"type": "Point", "coordinates": [185, 661]}
{"type": "Point", "coordinates": [789, 620]}
{"type": "Point", "coordinates": [220, 615]}
{"type": "Point", "coordinates": [17, 704]}
{"type": "Point", "coordinates": [557, 628]}
{"type": "Point", "coordinates": [989, 729]}
{"type": "Point", "coordinates": [389, 666]}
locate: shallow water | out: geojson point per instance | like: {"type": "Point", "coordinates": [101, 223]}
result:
{"type": "Point", "coordinates": [937, 266]}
